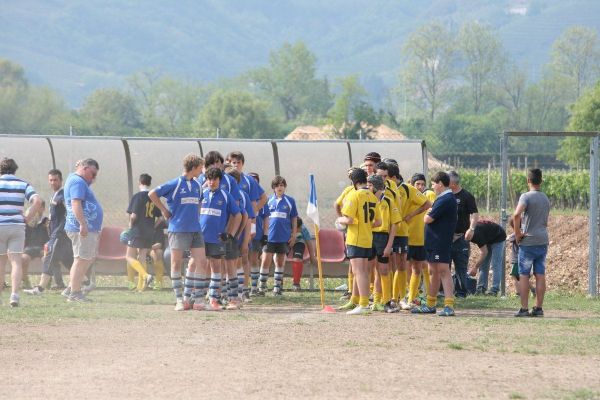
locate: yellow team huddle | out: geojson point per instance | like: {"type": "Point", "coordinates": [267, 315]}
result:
{"type": "Point", "coordinates": [383, 216]}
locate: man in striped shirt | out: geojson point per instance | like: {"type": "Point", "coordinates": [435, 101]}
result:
{"type": "Point", "coordinates": [13, 194]}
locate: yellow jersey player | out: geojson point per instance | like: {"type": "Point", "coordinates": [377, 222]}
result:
{"type": "Point", "coordinates": [383, 239]}
{"type": "Point", "coordinates": [361, 215]}
{"type": "Point", "coordinates": [416, 241]}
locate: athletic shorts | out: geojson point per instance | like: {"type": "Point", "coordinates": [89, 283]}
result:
{"type": "Point", "coordinates": [417, 253]}
{"type": "Point", "coordinates": [532, 257]}
{"type": "Point", "coordinates": [59, 251]}
{"type": "Point", "coordinates": [380, 240]}
{"type": "Point", "coordinates": [33, 251]}
{"type": "Point", "coordinates": [232, 250]}
{"type": "Point", "coordinates": [12, 239]}
{"type": "Point", "coordinates": [215, 250]}
{"type": "Point", "coordinates": [185, 240]}
{"type": "Point", "coordinates": [141, 242]}
{"type": "Point", "coordinates": [438, 255]}
{"type": "Point", "coordinates": [256, 245]}
{"type": "Point", "coordinates": [359, 252]}
{"type": "Point", "coordinates": [298, 250]}
{"type": "Point", "coordinates": [276, 248]}
{"type": "Point", "coordinates": [86, 247]}
{"type": "Point", "coordinates": [159, 237]}
{"type": "Point", "coordinates": [400, 245]}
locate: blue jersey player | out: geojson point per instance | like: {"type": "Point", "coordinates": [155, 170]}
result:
{"type": "Point", "coordinates": [281, 226]}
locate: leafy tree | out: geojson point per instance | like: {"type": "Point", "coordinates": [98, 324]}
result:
{"type": "Point", "coordinates": [585, 117]}
{"type": "Point", "coordinates": [482, 53]}
{"type": "Point", "coordinates": [110, 112]}
{"type": "Point", "coordinates": [12, 75]}
{"type": "Point", "coordinates": [236, 115]}
{"type": "Point", "coordinates": [290, 82]}
{"type": "Point", "coordinates": [13, 96]}
{"type": "Point", "coordinates": [430, 54]}
{"type": "Point", "coordinates": [575, 56]}
{"type": "Point", "coordinates": [510, 93]}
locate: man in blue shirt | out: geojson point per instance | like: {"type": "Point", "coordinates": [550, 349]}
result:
{"type": "Point", "coordinates": [280, 223]}
{"type": "Point", "coordinates": [440, 224]}
{"type": "Point", "coordinates": [83, 223]}
{"type": "Point", "coordinates": [183, 201]}
{"type": "Point", "coordinates": [13, 194]}
{"type": "Point", "coordinates": [219, 219]}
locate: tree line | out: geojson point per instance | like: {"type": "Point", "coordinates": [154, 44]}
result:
{"type": "Point", "coordinates": [457, 88]}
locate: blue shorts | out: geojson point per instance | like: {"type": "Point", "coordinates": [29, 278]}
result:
{"type": "Point", "coordinates": [400, 244]}
{"type": "Point", "coordinates": [359, 252]}
{"type": "Point", "coordinates": [532, 256]}
{"type": "Point", "coordinates": [417, 253]}
{"type": "Point", "coordinates": [438, 255]}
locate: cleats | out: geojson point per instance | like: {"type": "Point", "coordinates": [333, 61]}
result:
{"type": "Point", "coordinates": [14, 300]}
{"type": "Point", "coordinates": [188, 304]}
{"type": "Point", "coordinates": [199, 306]}
{"type": "Point", "coordinates": [66, 293]}
{"type": "Point", "coordinates": [233, 305]}
{"type": "Point", "coordinates": [358, 310]}
{"type": "Point", "coordinates": [390, 307]}
{"type": "Point", "coordinates": [34, 292]}
{"type": "Point", "coordinates": [148, 281]}
{"type": "Point", "coordinates": [522, 313]}
{"type": "Point", "coordinates": [377, 307]}
{"type": "Point", "coordinates": [213, 305]}
{"type": "Point", "coordinates": [179, 305]}
{"type": "Point", "coordinates": [423, 309]}
{"type": "Point", "coordinates": [537, 312]}
{"type": "Point", "coordinates": [348, 306]}
{"type": "Point", "coordinates": [405, 305]}
{"type": "Point", "coordinates": [447, 312]}
{"type": "Point", "coordinates": [277, 292]}
{"type": "Point", "coordinates": [78, 297]}
{"type": "Point", "coordinates": [296, 288]}
{"type": "Point", "coordinates": [346, 296]}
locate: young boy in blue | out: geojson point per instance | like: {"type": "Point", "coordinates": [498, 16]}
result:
{"type": "Point", "coordinates": [183, 201]}
{"type": "Point", "coordinates": [219, 220]}
{"type": "Point", "coordinates": [280, 223]}
{"type": "Point", "coordinates": [247, 182]}
{"type": "Point", "coordinates": [256, 243]}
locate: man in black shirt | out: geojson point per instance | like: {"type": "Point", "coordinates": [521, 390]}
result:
{"type": "Point", "coordinates": [468, 216]}
{"type": "Point", "coordinates": [142, 221]}
{"type": "Point", "coordinates": [490, 238]}
{"type": "Point", "coordinates": [58, 250]}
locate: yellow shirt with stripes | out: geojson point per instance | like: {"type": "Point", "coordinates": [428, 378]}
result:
{"type": "Point", "coordinates": [390, 215]}
{"type": "Point", "coordinates": [361, 206]}
{"type": "Point", "coordinates": [416, 226]}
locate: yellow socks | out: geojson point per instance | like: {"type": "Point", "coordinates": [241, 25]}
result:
{"type": "Point", "coordinates": [386, 288]}
{"type": "Point", "coordinates": [355, 299]}
{"type": "Point", "coordinates": [136, 265]}
{"type": "Point", "coordinates": [449, 302]}
{"type": "Point", "coordinates": [159, 272]}
{"type": "Point", "coordinates": [363, 301]}
{"type": "Point", "coordinates": [377, 298]}
{"type": "Point", "coordinates": [350, 280]}
{"type": "Point", "coordinates": [426, 278]}
{"type": "Point", "coordinates": [414, 286]}
{"type": "Point", "coordinates": [130, 274]}
{"type": "Point", "coordinates": [431, 301]}
{"type": "Point", "coordinates": [399, 290]}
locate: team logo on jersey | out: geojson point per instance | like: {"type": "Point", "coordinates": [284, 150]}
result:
{"type": "Point", "coordinates": [285, 207]}
{"type": "Point", "coordinates": [219, 202]}
{"type": "Point", "coordinates": [182, 191]}
{"type": "Point", "coordinates": [457, 201]}
{"type": "Point", "coordinates": [437, 257]}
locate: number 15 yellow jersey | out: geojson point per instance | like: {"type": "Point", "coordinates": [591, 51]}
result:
{"type": "Point", "coordinates": [361, 206]}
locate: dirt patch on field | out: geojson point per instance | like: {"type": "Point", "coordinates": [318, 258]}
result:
{"type": "Point", "coordinates": [294, 352]}
{"type": "Point", "coordinates": [568, 254]}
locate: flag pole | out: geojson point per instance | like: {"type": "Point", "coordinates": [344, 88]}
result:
{"type": "Point", "coordinates": [320, 267]}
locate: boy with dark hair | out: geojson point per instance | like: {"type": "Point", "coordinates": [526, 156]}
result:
{"type": "Point", "coordinates": [183, 196]}
{"type": "Point", "coordinates": [360, 214]}
{"type": "Point", "coordinates": [489, 237]}
{"type": "Point", "coordinates": [530, 221]}
{"type": "Point", "coordinates": [440, 224]}
{"type": "Point", "coordinates": [219, 221]}
{"type": "Point", "coordinates": [143, 215]}
{"type": "Point", "coordinates": [280, 223]}
{"type": "Point", "coordinates": [247, 183]}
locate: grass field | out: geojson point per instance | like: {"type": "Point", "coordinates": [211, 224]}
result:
{"type": "Point", "coordinates": [132, 345]}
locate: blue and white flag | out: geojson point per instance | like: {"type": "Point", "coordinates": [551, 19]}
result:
{"type": "Point", "coordinates": [312, 210]}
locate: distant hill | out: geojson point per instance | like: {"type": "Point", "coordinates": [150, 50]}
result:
{"type": "Point", "coordinates": [76, 47]}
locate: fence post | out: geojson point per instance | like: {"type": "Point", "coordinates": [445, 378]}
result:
{"type": "Point", "coordinates": [593, 219]}
{"type": "Point", "coordinates": [503, 215]}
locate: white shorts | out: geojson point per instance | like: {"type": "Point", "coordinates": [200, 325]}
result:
{"type": "Point", "coordinates": [12, 239]}
{"type": "Point", "coordinates": [85, 248]}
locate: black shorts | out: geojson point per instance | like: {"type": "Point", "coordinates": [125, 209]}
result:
{"type": "Point", "coordinates": [140, 242]}
{"type": "Point", "coordinates": [417, 253]}
{"type": "Point", "coordinates": [60, 252]}
{"type": "Point", "coordinates": [256, 245]}
{"type": "Point", "coordinates": [33, 251]}
{"type": "Point", "coordinates": [359, 252]}
{"type": "Point", "coordinates": [276, 248]}
{"type": "Point", "coordinates": [232, 250]}
{"type": "Point", "coordinates": [438, 255]}
{"type": "Point", "coordinates": [298, 251]}
{"type": "Point", "coordinates": [215, 250]}
{"type": "Point", "coordinates": [159, 237]}
{"type": "Point", "coordinates": [380, 240]}
{"type": "Point", "coordinates": [400, 245]}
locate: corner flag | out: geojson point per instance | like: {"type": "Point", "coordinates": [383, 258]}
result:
{"type": "Point", "coordinates": [312, 210]}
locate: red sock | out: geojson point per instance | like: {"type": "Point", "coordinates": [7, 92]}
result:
{"type": "Point", "coordinates": [297, 271]}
